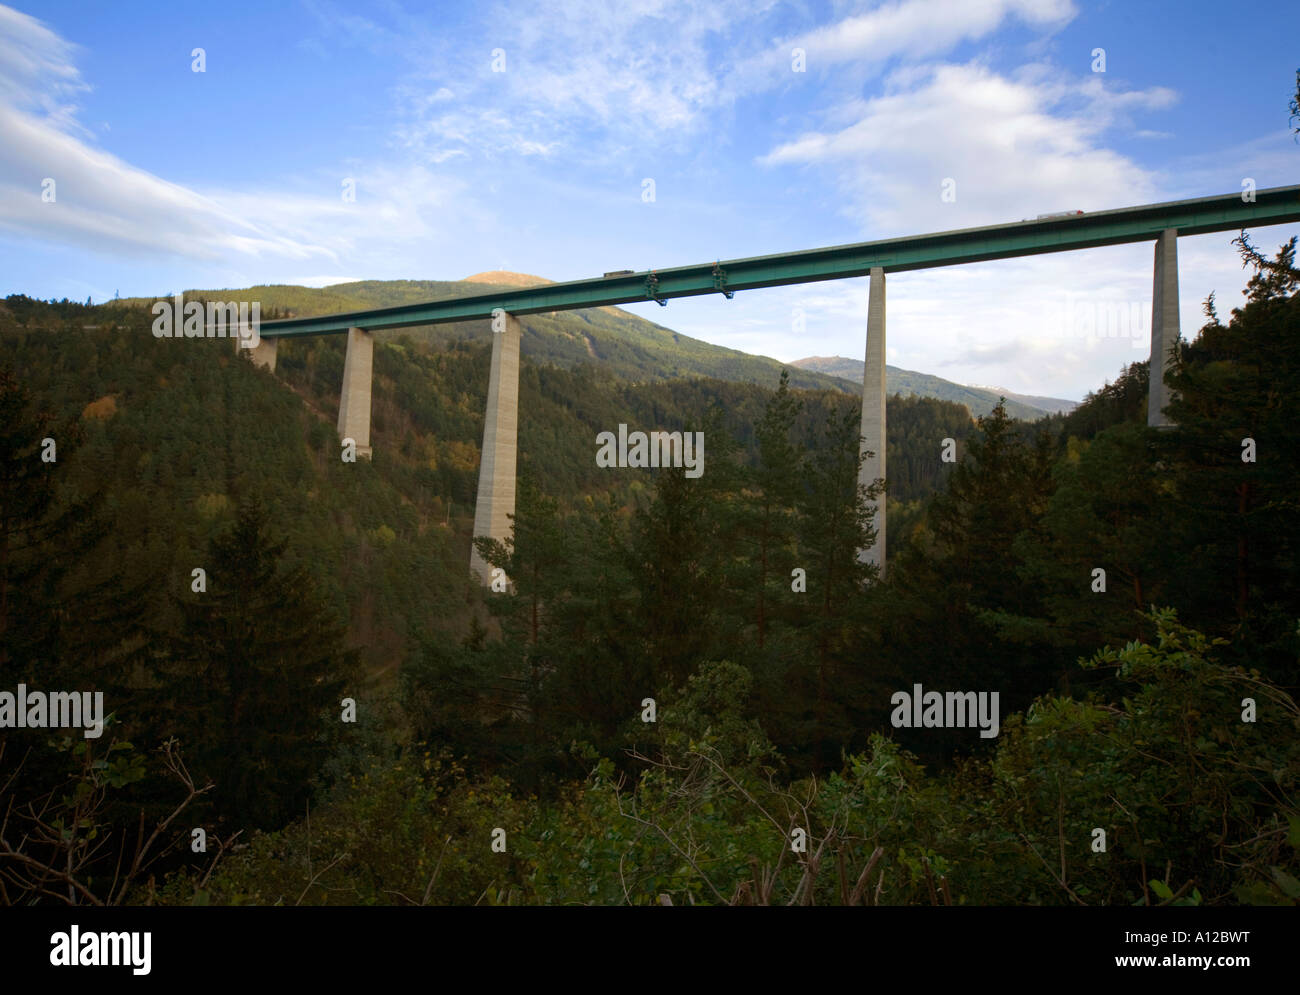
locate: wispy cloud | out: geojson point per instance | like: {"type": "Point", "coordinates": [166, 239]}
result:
{"type": "Point", "coordinates": [104, 203]}
{"type": "Point", "coordinates": [37, 69]}
{"type": "Point", "coordinates": [600, 79]}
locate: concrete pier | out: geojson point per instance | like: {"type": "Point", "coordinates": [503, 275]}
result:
{"type": "Point", "coordinates": [354, 400]}
{"type": "Point", "coordinates": [263, 354]}
{"type": "Point", "coordinates": [873, 414]}
{"type": "Point", "coordinates": [496, 474]}
{"type": "Point", "coordinates": [1164, 326]}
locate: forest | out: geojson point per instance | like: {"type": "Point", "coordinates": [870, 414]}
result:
{"type": "Point", "coordinates": [684, 694]}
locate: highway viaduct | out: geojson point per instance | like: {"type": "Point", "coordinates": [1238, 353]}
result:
{"type": "Point", "coordinates": [1158, 223]}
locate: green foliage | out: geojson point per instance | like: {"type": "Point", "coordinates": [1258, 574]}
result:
{"type": "Point", "coordinates": [65, 830]}
{"type": "Point", "coordinates": [410, 831]}
{"type": "Point", "coordinates": [1198, 808]}
{"type": "Point", "coordinates": [255, 675]}
{"type": "Point", "coordinates": [1125, 400]}
{"type": "Point", "coordinates": [1178, 781]}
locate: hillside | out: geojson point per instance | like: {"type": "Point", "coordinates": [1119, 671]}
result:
{"type": "Point", "coordinates": [620, 343]}
{"type": "Point", "coordinates": [505, 278]}
{"type": "Point", "coordinates": [979, 400]}
{"type": "Point", "coordinates": [176, 432]}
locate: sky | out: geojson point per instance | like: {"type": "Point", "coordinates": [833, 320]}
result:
{"type": "Point", "coordinates": [323, 142]}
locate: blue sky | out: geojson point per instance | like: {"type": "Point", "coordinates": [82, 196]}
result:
{"type": "Point", "coordinates": [168, 178]}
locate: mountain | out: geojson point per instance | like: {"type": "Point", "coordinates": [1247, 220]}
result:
{"type": "Point", "coordinates": [979, 400]}
{"type": "Point", "coordinates": [622, 344]}
{"type": "Point", "coordinates": [1052, 405]}
{"type": "Point", "coordinates": [505, 278]}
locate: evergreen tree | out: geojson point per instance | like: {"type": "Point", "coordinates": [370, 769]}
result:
{"type": "Point", "coordinates": [1110, 511]}
{"type": "Point", "coordinates": [834, 523]}
{"type": "Point", "coordinates": [1122, 401]}
{"type": "Point", "coordinates": [942, 620]}
{"type": "Point", "coordinates": [1273, 279]}
{"type": "Point", "coordinates": [677, 556]}
{"type": "Point", "coordinates": [768, 520]}
{"type": "Point", "coordinates": [1234, 457]}
{"type": "Point", "coordinates": [256, 676]}
{"type": "Point", "coordinates": [596, 667]}
{"type": "Point", "coordinates": [534, 560]}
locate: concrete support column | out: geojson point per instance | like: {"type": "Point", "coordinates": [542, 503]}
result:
{"type": "Point", "coordinates": [496, 473]}
{"type": "Point", "coordinates": [873, 414]}
{"type": "Point", "coordinates": [263, 354]}
{"type": "Point", "coordinates": [1164, 326]}
{"type": "Point", "coordinates": [354, 401]}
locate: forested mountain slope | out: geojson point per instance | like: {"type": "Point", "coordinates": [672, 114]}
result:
{"type": "Point", "coordinates": [177, 432]}
{"type": "Point", "coordinates": [622, 343]}
{"type": "Point", "coordinates": [980, 400]}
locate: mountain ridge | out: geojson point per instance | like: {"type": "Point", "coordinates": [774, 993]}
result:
{"type": "Point", "coordinates": [978, 400]}
{"type": "Point", "coordinates": [626, 344]}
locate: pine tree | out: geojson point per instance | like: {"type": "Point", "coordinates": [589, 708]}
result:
{"type": "Point", "coordinates": [677, 555]}
{"type": "Point", "coordinates": [1273, 279]}
{"type": "Point", "coordinates": [834, 523]}
{"type": "Point", "coordinates": [1110, 511]}
{"type": "Point", "coordinates": [534, 560]}
{"type": "Point", "coordinates": [942, 619]}
{"type": "Point", "coordinates": [1234, 461]}
{"type": "Point", "coordinates": [256, 676]}
{"type": "Point", "coordinates": [769, 523]}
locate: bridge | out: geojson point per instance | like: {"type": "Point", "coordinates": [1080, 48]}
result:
{"type": "Point", "coordinates": [1158, 223]}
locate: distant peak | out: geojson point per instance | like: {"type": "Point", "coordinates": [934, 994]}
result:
{"type": "Point", "coordinates": [504, 277]}
{"type": "Point", "coordinates": [818, 359]}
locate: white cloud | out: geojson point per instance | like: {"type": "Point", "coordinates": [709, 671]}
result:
{"type": "Point", "coordinates": [922, 28]}
{"type": "Point", "coordinates": [1006, 143]}
{"type": "Point", "coordinates": [862, 44]}
{"type": "Point", "coordinates": [584, 76]}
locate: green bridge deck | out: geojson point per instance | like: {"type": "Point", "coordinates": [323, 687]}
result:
{"type": "Point", "coordinates": [1229, 212]}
